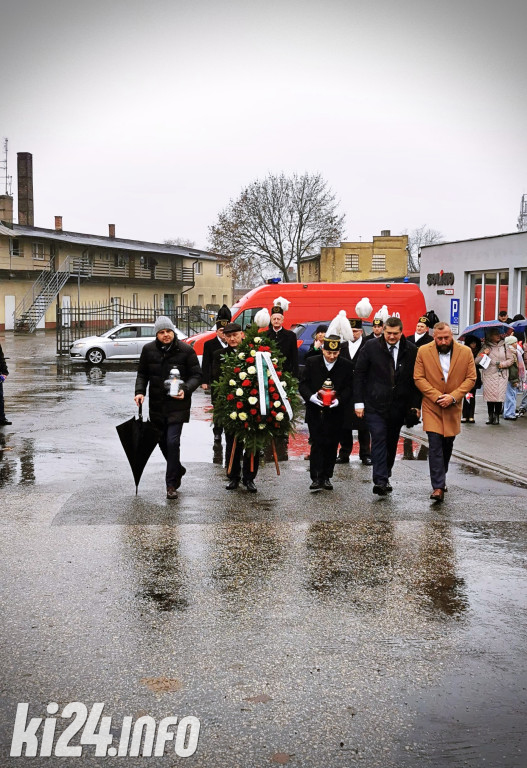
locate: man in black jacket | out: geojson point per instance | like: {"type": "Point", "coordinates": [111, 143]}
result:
{"type": "Point", "coordinates": [4, 421]}
{"type": "Point", "coordinates": [286, 341]}
{"type": "Point", "coordinates": [350, 351]}
{"type": "Point", "coordinates": [421, 335]}
{"type": "Point", "coordinates": [247, 474]}
{"type": "Point", "coordinates": [209, 348]}
{"type": "Point", "coordinates": [168, 413]}
{"type": "Point", "coordinates": [384, 392]}
{"type": "Point", "coordinates": [325, 421]}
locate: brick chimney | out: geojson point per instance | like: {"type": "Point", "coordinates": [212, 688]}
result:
{"type": "Point", "coordinates": [385, 233]}
{"type": "Point", "coordinates": [58, 223]}
{"type": "Point", "coordinates": [111, 230]}
{"type": "Point", "coordinates": [25, 188]}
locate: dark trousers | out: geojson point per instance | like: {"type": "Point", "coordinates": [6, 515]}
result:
{"type": "Point", "coordinates": [346, 443]}
{"type": "Point", "coordinates": [469, 406]}
{"type": "Point", "coordinates": [494, 409]}
{"type": "Point", "coordinates": [170, 448]}
{"type": "Point", "coordinates": [322, 456]}
{"type": "Point", "coordinates": [237, 470]}
{"type": "Point", "coordinates": [217, 430]}
{"type": "Point", "coordinates": [384, 431]}
{"type": "Point", "coordinates": [2, 412]}
{"type": "Point", "coordinates": [439, 453]}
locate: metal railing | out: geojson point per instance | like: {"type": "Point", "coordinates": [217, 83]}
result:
{"type": "Point", "coordinates": [76, 322]}
{"type": "Point", "coordinates": [40, 296]}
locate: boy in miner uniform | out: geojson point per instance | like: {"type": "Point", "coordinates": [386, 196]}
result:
{"type": "Point", "coordinates": [325, 421]}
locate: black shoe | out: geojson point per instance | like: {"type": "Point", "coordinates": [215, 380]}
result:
{"type": "Point", "coordinates": [380, 490]}
{"type": "Point", "coordinates": [491, 420]}
{"type": "Point", "coordinates": [389, 487]}
{"type": "Point", "coordinates": [316, 485]}
{"type": "Point", "coordinates": [183, 472]}
{"type": "Point", "coordinates": [327, 484]}
{"type": "Point", "coordinates": [251, 486]}
{"type": "Point", "coordinates": [5, 423]}
{"type": "Point", "coordinates": [232, 485]}
{"type": "Point", "coordinates": [171, 492]}
{"type": "Point", "coordinates": [367, 461]}
{"type": "Point", "coordinates": [342, 460]}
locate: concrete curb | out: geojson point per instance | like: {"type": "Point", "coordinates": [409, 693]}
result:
{"type": "Point", "coordinates": [474, 460]}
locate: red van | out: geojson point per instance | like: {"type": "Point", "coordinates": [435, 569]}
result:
{"type": "Point", "coordinates": [322, 301]}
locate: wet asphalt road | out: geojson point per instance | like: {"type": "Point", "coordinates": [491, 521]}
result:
{"type": "Point", "coordinates": [305, 630]}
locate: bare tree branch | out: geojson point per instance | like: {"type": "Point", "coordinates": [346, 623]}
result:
{"type": "Point", "coordinates": [276, 222]}
{"type": "Point", "coordinates": [418, 237]}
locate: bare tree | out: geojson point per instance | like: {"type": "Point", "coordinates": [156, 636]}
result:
{"type": "Point", "coordinates": [275, 223]}
{"type": "Point", "coordinates": [180, 241]}
{"type": "Point", "coordinates": [418, 237]}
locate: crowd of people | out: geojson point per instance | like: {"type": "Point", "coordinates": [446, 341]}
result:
{"type": "Point", "coordinates": [370, 385]}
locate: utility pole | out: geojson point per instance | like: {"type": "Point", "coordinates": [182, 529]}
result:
{"type": "Point", "coordinates": [522, 218]}
{"type": "Point", "coordinates": [3, 166]}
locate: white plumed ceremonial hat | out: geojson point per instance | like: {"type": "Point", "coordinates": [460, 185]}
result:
{"type": "Point", "coordinates": [363, 308]}
{"type": "Point", "coordinates": [262, 318]}
{"type": "Point", "coordinates": [383, 313]}
{"type": "Point", "coordinates": [340, 326]}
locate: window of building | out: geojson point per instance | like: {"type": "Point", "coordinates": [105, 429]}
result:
{"type": "Point", "coordinates": [351, 263]}
{"type": "Point", "coordinates": [38, 251]}
{"type": "Point", "coordinates": [201, 299]}
{"type": "Point", "coordinates": [135, 300]}
{"type": "Point", "coordinates": [184, 299]}
{"type": "Point", "coordinates": [199, 268]}
{"type": "Point", "coordinates": [523, 293]}
{"type": "Point", "coordinates": [378, 262]}
{"type": "Point", "coordinates": [156, 300]}
{"type": "Point", "coordinates": [213, 299]}
{"type": "Point", "coordinates": [219, 269]}
{"type": "Point", "coordinates": [489, 293]}
{"type": "Point", "coordinates": [225, 298]}
{"type": "Point", "coordinates": [15, 247]}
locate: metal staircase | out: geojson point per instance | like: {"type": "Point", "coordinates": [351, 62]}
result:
{"type": "Point", "coordinates": [42, 294]}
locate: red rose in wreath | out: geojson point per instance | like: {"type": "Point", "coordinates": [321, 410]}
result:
{"type": "Point", "coordinates": [237, 370]}
{"type": "Point", "coordinates": [253, 411]}
{"type": "Point", "coordinates": [250, 360]}
{"type": "Point", "coordinates": [239, 405]}
{"type": "Point", "coordinates": [253, 392]}
{"type": "Point", "coordinates": [230, 397]}
{"type": "Point", "coordinates": [247, 383]}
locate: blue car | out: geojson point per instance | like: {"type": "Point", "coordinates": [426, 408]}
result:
{"type": "Point", "coordinates": [305, 333]}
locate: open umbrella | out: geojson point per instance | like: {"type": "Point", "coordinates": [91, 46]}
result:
{"type": "Point", "coordinates": [519, 325]}
{"type": "Point", "coordinates": [138, 438]}
{"type": "Point", "coordinates": [480, 329]}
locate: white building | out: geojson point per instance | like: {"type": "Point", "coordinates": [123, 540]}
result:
{"type": "Point", "coordinates": [472, 280]}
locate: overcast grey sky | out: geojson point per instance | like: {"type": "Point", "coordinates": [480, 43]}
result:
{"type": "Point", "coordinates": [152, 114]}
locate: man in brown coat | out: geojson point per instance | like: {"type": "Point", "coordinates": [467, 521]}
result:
{"type": "Point", "coordinates": [444, 372]}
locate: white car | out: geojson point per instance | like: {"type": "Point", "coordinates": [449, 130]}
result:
{"type": "Point", "coordinates": [122, 342]}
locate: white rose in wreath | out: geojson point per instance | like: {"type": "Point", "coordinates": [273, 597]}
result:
{"type": "Point", "coordinates": [279, 416]}
{"type": "Point", "coordinates": [233, 415]}
{"type": "Point", "coordinates": [274, 360]}
{"type": "Point", "coordinates": [253, 400]}
{"type": "Point", "coordinates": [232, 383]}
{"type": "Point", "coordinates": [261, 426]}
{"type": "Point", "coordinates": [257, 339]}
{"type": "Point", "coordinates": [242, 355]}
{"type": "Point", "coordinates": [277, 403]}
{"type": "Point", "coordinates": [242, 416]}
{"type": "Point", "coordinates": [242, 375]}
{"type": "Point", "coordinates": [251, 369]}
{"type": "Point", "coordinates": [239, 392]}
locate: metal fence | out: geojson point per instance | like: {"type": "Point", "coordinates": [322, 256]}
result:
{"type": "Point", "coordinates": [94, 319]}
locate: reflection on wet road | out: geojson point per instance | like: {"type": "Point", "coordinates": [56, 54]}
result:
{"type": "Point", "coordinates": [324, 630]}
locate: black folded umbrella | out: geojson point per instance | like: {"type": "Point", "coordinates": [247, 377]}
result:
{"type": "Point", "coordinates": [138, 438]}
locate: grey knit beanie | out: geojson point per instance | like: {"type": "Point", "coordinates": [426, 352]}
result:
{"type": "Point", "coordinates": [163, 322]}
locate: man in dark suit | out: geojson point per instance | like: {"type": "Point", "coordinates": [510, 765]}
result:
{"type": "Point", "coordinates": [421, 335]}
{"type": "Point", "coordinates": [209, 348]}
{"type": "Point", "coordinates": [384, 393]}
{"type": "Point", "coordinates": [244, 472]}
{"type": "Point", "coordinates": [324, 421]}
{"type": "Point", "coordinates": [377, 329]}
{"type": "Point", "coordinates": [285, 340]}
{"type": "Point", "coordinates": [350, 351]}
